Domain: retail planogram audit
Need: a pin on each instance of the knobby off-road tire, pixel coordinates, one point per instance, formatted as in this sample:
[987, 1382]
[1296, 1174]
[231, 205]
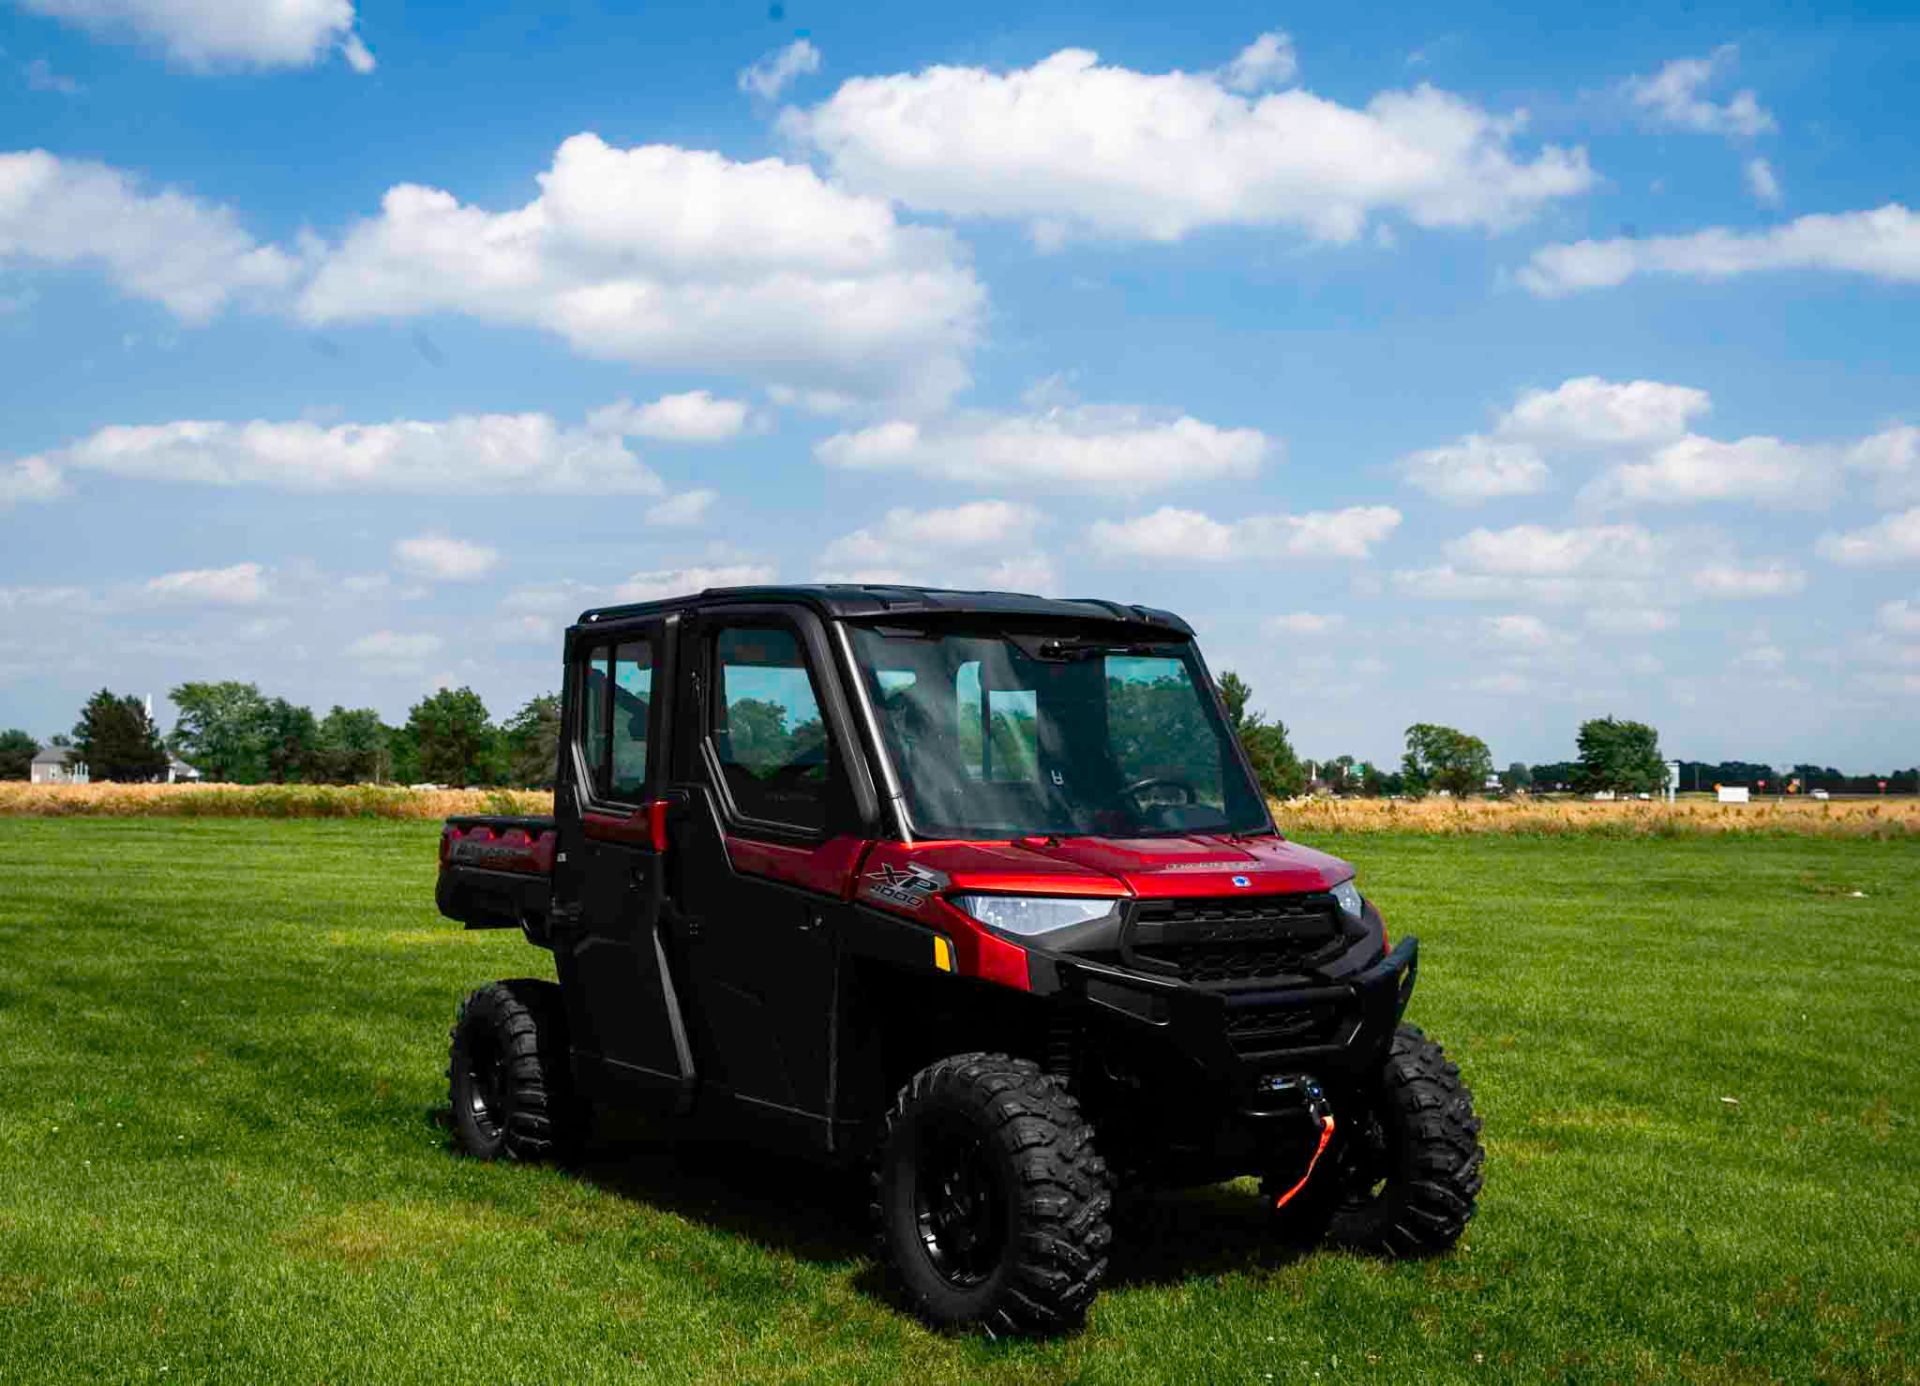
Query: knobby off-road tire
[507, 1074]
[990, 1198]
[1406, 1170]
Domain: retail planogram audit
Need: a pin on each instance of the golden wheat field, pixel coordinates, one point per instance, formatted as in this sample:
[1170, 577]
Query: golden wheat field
[261, 801]
[1890, 817]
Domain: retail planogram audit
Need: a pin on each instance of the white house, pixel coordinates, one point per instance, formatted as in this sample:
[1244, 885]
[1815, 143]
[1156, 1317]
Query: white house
[58, 765]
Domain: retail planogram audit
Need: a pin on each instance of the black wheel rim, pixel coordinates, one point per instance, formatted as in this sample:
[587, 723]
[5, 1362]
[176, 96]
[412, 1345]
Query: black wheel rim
[486, 1084]
[960, 1204]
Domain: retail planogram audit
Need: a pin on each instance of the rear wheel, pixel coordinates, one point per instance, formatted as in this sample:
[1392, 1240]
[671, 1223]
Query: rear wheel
[991, 1200]
[507, 1076]
[1404, 1173]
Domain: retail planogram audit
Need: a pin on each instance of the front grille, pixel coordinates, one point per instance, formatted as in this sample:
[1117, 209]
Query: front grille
[1294, 1027]
[1216, 940]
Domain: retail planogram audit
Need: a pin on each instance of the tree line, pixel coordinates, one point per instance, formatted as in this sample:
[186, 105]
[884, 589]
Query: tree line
[1613, 755]
[234, 734]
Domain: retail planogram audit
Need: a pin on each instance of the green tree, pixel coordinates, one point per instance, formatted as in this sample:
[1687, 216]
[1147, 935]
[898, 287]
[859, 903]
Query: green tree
[118, 741]
[1444, 758]
[757, 733]
[403, 752]
[289, 740]
[1516, 776]
[17, 750]
[1620, 756]
[1275, 766]
[222, 730]
[350, 746]
[454, 738]
[530, 741]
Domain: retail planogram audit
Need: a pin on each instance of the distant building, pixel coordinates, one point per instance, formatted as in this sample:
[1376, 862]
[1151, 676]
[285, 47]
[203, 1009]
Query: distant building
[58, 765]
[179, 772]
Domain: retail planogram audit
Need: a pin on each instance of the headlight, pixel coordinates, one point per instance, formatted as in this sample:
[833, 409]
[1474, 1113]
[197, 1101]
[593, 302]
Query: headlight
[1031, 915]
[1347, 896]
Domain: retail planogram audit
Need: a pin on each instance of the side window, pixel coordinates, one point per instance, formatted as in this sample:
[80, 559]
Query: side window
[616, 699]
[767, 729]
[632, 704]
[593, 714]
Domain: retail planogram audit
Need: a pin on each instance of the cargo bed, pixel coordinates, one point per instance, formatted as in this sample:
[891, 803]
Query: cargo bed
[497, 873]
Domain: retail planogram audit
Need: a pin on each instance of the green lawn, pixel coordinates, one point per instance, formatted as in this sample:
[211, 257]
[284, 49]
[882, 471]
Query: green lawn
[221, 1046]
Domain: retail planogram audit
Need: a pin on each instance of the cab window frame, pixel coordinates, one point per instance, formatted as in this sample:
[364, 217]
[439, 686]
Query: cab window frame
[851, 804]
[600, 647]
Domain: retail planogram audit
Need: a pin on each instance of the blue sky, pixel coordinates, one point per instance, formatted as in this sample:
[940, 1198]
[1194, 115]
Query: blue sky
[1499, 370]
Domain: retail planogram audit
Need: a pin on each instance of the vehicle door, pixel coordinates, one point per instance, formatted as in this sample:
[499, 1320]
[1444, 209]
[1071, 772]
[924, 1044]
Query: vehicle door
[777, 817]
[622, 1006]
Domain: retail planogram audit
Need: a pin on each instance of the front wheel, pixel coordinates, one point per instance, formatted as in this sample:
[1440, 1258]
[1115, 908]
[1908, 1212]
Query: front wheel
[991, 1201]
[1405, 1172]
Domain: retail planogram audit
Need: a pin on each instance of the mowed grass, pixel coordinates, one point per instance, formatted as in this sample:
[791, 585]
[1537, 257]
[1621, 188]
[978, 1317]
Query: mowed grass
[221, 1046]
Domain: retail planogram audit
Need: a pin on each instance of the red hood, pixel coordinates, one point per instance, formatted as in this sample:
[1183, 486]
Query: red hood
[1146, 866]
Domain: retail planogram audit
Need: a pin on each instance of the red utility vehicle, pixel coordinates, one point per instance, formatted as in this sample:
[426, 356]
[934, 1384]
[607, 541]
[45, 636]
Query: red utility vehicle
[977, 888]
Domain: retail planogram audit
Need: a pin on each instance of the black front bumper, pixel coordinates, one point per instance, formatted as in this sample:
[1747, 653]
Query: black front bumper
[1335, 1031]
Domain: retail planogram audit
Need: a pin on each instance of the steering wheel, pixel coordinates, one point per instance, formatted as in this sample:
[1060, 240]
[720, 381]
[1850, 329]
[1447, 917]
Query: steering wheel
[1139, 787]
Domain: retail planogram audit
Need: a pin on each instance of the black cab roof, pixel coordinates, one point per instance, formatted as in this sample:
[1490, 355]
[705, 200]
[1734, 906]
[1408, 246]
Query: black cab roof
[868, 600]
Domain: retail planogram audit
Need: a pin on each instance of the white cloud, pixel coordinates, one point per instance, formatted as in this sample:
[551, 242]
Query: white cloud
[510, 454]
[1476, 468]
[1584, 416]
[1640, 430]
[1187, 536]
[189, 256]
[41, 76]
[1622, 573]
[1629, 620]
[1892, 458]
[1268, 62]
[1115, 446]
[396, 651]
[1536, 551]
[675, 582]
[225, 33]
[1766, 471]
[1762, 182]
[1762, 656]
[1520, 631]
[1070, 145]
[243, 584]
[1902, 617]
[1767, 580]
[30, 479]
[1892, 539]
[687, 508]
[1304, 623]
[1674, 96]
[935, 546]
[693, 417]
[1883, 244]
[1587, 413]
[444, 559]
[677, 257]
[776, 71]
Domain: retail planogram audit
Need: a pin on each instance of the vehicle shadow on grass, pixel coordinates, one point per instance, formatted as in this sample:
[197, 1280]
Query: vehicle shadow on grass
[821, 1214]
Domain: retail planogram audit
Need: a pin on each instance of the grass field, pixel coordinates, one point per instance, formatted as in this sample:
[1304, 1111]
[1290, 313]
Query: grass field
[220, 1056]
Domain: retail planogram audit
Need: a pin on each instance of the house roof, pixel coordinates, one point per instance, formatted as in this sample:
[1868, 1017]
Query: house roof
[56, 755]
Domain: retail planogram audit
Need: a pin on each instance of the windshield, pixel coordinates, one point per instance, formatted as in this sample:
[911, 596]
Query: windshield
[1015, 734]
